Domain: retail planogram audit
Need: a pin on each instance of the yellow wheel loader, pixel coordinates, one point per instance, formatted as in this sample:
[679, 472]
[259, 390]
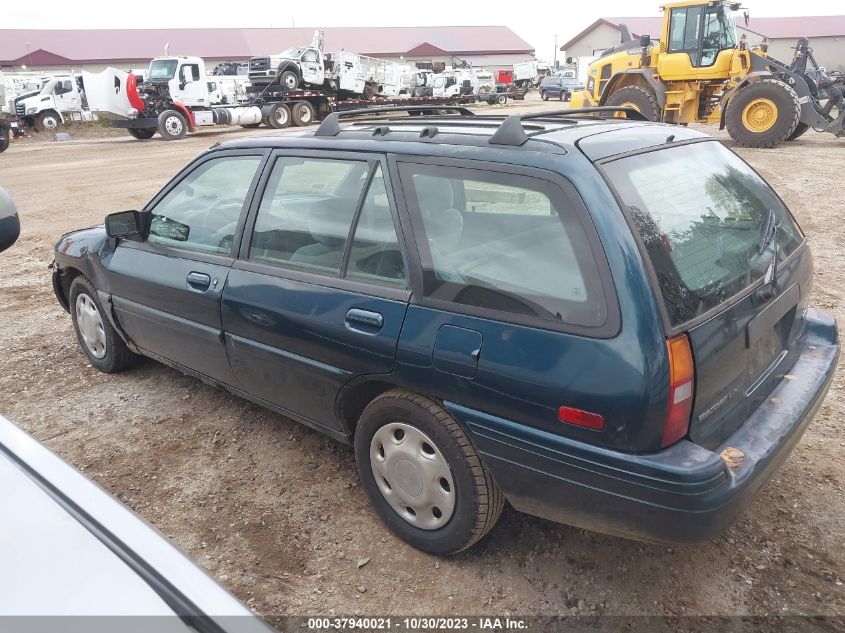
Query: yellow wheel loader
[699, 72]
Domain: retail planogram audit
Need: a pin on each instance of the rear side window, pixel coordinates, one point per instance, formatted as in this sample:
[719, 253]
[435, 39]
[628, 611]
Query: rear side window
[503, 242]
[702, 214]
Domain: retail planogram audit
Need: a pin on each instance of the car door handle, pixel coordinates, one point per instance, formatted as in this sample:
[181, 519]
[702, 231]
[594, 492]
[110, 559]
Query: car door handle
[370, 320]
[198, 281]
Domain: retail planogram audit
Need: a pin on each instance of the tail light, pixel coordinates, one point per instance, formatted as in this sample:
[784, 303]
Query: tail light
[681, 390]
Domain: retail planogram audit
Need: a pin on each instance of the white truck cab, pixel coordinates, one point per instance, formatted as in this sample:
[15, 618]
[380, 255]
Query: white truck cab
[185, 78]
[60, 100]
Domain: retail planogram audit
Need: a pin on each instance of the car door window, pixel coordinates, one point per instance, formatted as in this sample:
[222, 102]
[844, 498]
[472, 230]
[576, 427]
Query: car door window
[307, 211]
[375, 255]
[201, 212]
[503, 242]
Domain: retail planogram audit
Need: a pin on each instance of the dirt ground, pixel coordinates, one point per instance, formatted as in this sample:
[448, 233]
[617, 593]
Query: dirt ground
[274, 510]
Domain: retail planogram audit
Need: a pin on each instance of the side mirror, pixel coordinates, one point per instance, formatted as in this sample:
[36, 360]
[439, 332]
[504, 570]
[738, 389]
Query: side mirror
[645, 40]
[10, 225]
[125, 224]
[182, 85]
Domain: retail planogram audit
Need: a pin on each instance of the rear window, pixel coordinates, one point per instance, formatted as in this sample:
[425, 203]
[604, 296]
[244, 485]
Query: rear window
[702, 214]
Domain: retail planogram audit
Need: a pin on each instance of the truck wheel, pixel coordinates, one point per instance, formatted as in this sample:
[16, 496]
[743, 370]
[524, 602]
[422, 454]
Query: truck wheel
[502, 99]
[543, 95]
[640, 99]
[4, 138]
[172, 125]
[48, 121]
[289, 80]
[142, 134]
[280, 116]
[799, 131]
[422, 474]
[763, 114]
[302, 113]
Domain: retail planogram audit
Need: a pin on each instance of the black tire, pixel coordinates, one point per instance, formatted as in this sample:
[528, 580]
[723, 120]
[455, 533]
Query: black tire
[544, 96]
[289, 80]
[142, 134]
[172, 125]
[5, 136]
[478, 500]
[251, 126]
[117, 356]
[279, 117]
[643, 101]
[302, 113]
[799, 132]
[786, 118]
[562, 95]
[502, 99]
[48, 121]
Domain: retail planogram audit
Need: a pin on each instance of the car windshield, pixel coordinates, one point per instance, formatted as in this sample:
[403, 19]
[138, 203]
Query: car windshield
[292, 53]
[163, 68]
[702, 214]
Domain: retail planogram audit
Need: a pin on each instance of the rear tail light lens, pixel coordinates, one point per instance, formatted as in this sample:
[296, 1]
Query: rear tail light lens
[681, 390]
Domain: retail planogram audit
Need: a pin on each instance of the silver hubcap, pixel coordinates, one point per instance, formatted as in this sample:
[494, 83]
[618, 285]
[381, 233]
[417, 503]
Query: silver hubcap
[413, 475]
[50, 123]
[290, 81]
[173, 124]
[281, 116]
[90, 325]
[304, 114]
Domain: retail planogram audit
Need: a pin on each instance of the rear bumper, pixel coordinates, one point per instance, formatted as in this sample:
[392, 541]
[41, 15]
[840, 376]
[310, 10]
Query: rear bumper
[683, 494]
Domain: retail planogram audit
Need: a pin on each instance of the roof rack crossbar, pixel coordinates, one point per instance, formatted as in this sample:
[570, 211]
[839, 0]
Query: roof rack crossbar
[511, 131]
[631, 114]
[331, 124]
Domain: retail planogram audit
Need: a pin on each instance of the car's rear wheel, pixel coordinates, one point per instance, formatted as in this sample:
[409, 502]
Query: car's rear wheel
[544, 96]
[423, 475]
[101, 343]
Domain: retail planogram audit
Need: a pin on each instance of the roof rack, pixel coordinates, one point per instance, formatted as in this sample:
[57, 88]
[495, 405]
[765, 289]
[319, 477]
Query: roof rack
[331, 124]
[511, 132]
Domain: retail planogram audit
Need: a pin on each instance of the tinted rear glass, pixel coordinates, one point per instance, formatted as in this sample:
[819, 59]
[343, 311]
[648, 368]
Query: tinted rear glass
[702, 215]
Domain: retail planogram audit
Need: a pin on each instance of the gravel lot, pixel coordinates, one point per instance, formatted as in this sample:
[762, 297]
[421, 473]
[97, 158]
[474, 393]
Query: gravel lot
[274, 510]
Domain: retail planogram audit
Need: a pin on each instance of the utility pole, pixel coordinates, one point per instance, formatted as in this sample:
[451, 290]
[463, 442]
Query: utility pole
[554, 65]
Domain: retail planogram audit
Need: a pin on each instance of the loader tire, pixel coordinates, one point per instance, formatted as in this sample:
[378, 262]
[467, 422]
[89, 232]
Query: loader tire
[799, 132]
[763, 114]
[640, 99]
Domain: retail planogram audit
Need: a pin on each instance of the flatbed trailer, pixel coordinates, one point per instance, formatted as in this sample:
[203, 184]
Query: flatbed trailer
[303, 107]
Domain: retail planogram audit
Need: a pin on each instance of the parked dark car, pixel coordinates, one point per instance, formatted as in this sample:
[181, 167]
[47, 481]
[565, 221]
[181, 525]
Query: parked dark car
[560, 88]
[603, 321]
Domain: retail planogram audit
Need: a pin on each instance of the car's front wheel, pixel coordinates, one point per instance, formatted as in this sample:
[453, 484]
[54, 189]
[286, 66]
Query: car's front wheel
[98, 339]
[423, 475]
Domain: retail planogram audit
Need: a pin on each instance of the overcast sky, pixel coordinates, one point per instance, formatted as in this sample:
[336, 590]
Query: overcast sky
[535, 21]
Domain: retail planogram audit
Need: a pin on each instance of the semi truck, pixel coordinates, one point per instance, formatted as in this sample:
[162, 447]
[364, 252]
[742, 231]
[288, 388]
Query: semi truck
[175, 99]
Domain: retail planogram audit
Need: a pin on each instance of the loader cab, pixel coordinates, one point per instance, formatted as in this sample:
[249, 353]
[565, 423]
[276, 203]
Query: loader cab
[698, 41]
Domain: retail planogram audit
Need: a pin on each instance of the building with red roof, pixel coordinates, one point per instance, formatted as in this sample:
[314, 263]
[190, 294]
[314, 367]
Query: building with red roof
[491, 46]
